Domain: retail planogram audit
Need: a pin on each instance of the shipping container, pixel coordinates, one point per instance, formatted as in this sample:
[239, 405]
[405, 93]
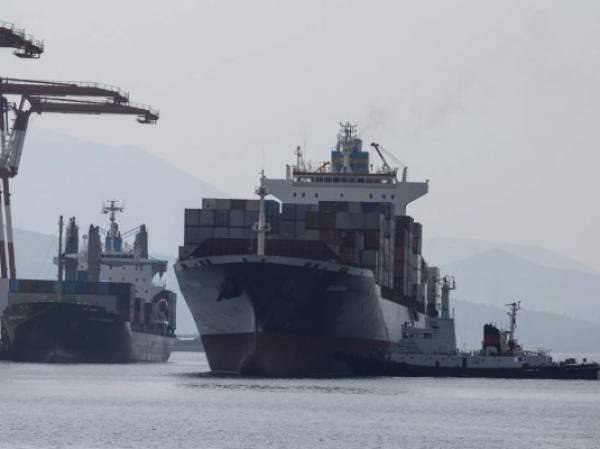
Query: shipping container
[310, 234]
[301, 210]
[221, 218]
[209, 203]
[300, 228]
[223, 203]
[357, 220]
[207, 217]
[372, 220]
[275, 224]
[271, 208]
[342, 220]
[252, 204]
[287, 229]
[194, 235]
[371, 239]
[250, 218]
[320, 220]
[368, 257]
[192, 217]
[237, 204]
[288, 212]
[221, 233]
[237, 233]
[354, 207]
[237, 217]
[327, 206]
[418, 238]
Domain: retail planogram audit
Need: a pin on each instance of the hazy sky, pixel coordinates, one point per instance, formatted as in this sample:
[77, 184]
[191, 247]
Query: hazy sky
[497, 103]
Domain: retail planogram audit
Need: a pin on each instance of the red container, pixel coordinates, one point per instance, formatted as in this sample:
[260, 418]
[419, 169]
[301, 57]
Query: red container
[238, 204]
[312, 220]
[371, 239]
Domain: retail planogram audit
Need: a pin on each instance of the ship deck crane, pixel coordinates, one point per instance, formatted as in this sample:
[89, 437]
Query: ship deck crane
[386, 166]
[24, 44]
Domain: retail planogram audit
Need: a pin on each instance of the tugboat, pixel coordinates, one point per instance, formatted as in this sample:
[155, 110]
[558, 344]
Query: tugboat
[107, 309]
[431, 351]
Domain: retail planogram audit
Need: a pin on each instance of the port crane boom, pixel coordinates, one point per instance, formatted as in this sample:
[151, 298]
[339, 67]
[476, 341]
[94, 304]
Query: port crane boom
[16, 86]
[10, 156]
[24, 44]
[40, 97]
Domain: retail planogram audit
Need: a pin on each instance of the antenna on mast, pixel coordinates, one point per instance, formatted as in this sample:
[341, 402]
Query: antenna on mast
[59, 286]
[299, 158]
[514, 307]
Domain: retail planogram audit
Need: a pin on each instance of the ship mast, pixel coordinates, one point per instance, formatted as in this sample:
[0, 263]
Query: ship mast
[59, 284]
[514, 308]
[262, 227]
[113, 237]
[448, 284]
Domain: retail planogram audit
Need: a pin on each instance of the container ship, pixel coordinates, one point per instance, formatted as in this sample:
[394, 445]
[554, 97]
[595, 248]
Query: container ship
[105, 306]
[329, 269]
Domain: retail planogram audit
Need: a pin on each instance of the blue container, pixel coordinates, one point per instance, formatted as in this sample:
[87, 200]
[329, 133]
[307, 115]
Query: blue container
[14, 286]
[289, 212]
[327, 206]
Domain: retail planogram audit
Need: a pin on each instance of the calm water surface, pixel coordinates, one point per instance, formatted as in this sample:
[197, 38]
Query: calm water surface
[175, 406]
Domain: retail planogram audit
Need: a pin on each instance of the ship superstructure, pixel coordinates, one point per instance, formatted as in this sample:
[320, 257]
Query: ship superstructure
[335, 269]
[110, 306]
[116, 260]
[347, 177]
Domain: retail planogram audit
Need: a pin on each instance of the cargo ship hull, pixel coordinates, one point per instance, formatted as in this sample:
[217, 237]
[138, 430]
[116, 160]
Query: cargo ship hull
[283, 316]
[77, 333]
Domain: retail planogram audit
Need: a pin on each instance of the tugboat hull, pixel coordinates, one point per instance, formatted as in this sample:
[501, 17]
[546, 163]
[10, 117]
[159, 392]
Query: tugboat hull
[370, 367]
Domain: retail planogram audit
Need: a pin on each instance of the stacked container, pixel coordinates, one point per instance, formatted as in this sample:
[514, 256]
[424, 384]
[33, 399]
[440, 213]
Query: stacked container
[364, 234]
[224, 219]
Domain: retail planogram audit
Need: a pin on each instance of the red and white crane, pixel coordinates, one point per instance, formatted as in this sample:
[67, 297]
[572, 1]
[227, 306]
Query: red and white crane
[43, 97]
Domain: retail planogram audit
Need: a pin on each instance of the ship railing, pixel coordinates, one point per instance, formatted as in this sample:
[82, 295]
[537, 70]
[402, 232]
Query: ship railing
[20, 32]
[119, 93]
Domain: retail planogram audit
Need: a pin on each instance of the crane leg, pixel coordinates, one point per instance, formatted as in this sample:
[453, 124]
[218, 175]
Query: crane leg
[3, 268]
[9, 230]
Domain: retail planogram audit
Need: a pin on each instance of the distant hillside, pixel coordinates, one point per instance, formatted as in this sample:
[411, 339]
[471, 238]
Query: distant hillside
[496, 276]
[534, 329]
[445, 250]
[63, 175]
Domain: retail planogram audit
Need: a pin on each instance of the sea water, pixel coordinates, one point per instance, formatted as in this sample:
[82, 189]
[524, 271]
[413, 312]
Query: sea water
[179, 405]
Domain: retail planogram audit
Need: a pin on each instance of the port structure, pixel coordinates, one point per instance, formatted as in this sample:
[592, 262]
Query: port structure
[24, 44]
[63, 98]
[41, 97]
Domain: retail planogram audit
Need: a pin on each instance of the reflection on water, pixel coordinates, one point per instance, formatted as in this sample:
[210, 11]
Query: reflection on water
[180, 405]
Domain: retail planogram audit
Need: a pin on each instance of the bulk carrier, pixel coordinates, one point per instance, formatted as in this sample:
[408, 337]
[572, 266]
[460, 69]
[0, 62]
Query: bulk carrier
[335, 271]
[107, 308]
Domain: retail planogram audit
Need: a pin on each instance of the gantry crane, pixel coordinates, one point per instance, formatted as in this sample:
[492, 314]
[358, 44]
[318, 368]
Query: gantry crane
[44, 97]
[12, 148]
[24, 44]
